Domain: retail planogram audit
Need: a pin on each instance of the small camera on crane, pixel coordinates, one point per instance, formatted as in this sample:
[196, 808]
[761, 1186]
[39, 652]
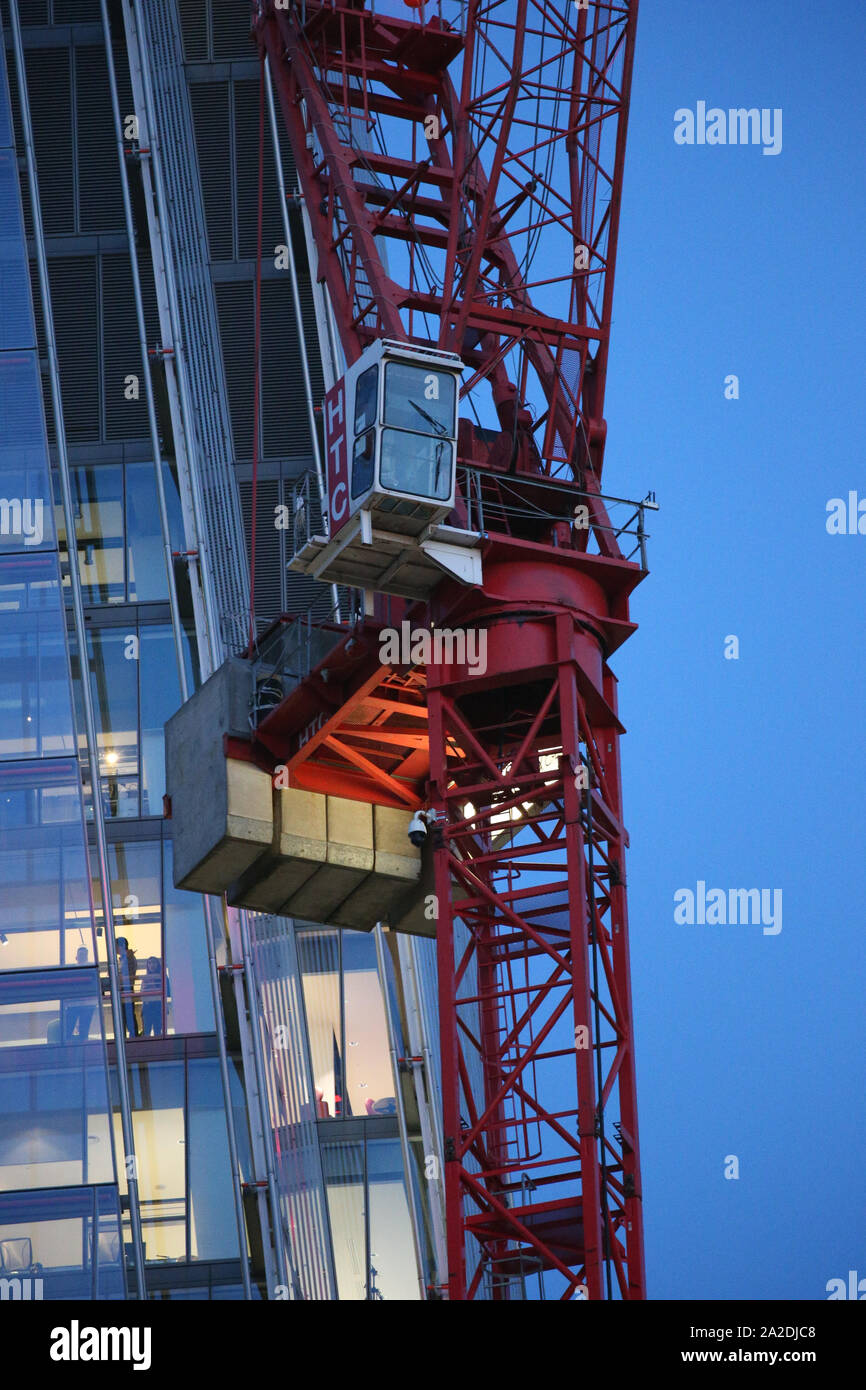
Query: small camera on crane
[418, 829]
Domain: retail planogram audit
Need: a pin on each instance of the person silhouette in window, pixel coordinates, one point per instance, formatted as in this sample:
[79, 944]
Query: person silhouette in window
[127, 969]
[152, 1007]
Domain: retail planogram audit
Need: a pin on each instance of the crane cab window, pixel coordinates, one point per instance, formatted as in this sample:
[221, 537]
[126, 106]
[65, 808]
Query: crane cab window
[416, 463]
[363, 462]
[367, 400]
[417, 451]
[419, 399]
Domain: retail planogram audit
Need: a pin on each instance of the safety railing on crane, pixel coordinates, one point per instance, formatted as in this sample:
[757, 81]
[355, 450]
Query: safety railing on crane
[513, 501]
[305, 521]
[287, 654]
[627, 525]
[450, 12]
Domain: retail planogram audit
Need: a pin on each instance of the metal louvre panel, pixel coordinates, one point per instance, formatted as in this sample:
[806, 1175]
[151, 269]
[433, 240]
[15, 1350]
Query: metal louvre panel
[303, 594]
[278, 590]
[15, 106]
[76, 11]
[194, 24]
[162, 51]
[100, 205]
[121, 75]
[124, 419]
[210, 113]
[30, 12]
[23, 176]
[245, 102]
[75, 304]
[307, 595]
[270, 560]
[285, 423]
[39, 320]
[230, 28]
[285, 426]
[50, 87]
[235, 305]
[308, 314]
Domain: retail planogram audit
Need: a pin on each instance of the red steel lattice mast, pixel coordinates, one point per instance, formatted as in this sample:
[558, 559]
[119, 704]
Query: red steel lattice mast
[463, 182]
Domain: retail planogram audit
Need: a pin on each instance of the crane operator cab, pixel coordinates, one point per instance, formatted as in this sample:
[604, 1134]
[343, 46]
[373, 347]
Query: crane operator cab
[391, 461]
[404, 431]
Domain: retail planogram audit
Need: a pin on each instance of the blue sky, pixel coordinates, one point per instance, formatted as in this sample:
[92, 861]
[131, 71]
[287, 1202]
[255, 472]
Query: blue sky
[746, 773]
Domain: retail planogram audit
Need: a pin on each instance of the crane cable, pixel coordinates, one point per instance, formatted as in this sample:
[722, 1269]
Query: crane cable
[257, 352]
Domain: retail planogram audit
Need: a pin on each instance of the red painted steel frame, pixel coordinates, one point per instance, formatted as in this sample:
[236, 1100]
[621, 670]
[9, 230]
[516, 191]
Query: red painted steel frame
[524, 147]
[535, 1002]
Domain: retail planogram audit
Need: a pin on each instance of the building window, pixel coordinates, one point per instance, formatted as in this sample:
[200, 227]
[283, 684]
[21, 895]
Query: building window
[135, 688]
[35, 708]
[163, 968]
[346, 1018]
[62, 1243]
[54, 1128]
[45, 918]
[26, 516]
[181, 1148]
[118, 536]
[373, 1247]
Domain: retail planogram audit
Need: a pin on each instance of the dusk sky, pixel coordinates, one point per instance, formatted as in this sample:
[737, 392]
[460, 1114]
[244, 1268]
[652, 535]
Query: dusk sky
[747, 772]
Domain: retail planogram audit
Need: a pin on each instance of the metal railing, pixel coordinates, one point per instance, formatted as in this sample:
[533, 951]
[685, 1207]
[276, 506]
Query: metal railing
[289, 652]
[629, 532]
[305, 515]
[452, 12]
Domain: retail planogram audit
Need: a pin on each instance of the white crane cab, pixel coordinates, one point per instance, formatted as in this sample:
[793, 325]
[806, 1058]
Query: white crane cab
[391, 461]
[401, 419]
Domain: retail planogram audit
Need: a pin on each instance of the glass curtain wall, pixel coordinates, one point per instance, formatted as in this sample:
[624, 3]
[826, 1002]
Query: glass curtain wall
[346, 1018]
[366, 1183]
[373, 1248]
[59, 1208]
[183, 1163]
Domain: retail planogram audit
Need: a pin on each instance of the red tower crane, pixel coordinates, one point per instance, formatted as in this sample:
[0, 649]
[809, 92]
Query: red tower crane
[461, 167]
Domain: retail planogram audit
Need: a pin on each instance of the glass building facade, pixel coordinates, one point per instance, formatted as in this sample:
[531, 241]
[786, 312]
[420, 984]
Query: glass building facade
[195, 1103]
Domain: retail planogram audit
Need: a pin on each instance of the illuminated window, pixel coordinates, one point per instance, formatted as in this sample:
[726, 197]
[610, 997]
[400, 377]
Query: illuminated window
[346, 1018]
[118, 536]
[181, 1150]
[373, 1246]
